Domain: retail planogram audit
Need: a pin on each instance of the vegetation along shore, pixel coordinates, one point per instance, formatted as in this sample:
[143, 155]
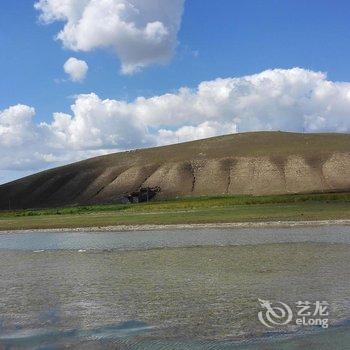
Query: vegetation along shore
[186, 211]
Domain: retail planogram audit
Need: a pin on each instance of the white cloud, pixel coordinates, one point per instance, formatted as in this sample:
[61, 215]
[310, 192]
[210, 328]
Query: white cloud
[140, 32]
[76, 69]
[97, 124]
[16, 128]
[289, 100]
[189, 132]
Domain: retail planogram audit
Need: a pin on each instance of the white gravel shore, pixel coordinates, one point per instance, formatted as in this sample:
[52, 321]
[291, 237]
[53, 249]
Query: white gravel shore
[123, 228]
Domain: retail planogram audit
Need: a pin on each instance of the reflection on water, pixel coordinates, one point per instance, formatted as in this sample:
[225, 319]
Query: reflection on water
[117, 334]
[170, 298]
[128, 336]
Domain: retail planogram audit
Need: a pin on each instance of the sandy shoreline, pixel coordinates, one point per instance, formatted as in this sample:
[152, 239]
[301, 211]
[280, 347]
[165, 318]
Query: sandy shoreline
[232, 225]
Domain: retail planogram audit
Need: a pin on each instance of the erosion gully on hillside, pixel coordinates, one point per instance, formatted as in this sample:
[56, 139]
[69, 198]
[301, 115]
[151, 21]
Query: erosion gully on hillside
[250, 163]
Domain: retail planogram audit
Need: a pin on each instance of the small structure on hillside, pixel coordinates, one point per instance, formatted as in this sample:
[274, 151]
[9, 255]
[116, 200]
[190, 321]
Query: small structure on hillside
[144, 194]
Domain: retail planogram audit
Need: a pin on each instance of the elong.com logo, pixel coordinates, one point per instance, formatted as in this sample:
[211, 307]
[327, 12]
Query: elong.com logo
[306, 314]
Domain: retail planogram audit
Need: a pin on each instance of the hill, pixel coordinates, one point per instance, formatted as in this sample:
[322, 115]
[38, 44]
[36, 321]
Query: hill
[249, 163]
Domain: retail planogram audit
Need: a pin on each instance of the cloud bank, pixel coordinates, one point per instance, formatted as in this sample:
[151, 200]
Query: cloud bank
[76, 69]
[140, 32]
[290, 100]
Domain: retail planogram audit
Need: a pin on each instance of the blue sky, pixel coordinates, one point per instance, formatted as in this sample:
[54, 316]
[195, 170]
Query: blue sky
[232, 38]
[217, 39]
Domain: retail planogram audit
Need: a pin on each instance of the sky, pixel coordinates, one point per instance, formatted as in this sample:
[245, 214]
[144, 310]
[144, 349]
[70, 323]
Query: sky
[80, 78]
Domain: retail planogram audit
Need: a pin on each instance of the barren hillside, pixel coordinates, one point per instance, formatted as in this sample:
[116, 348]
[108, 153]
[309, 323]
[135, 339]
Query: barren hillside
[249, 163]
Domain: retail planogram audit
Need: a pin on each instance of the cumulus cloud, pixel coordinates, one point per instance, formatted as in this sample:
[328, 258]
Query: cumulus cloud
[140, 32]
[189, 132]
[76, 69]
[97, 124]
[16, 126]
[290, 100]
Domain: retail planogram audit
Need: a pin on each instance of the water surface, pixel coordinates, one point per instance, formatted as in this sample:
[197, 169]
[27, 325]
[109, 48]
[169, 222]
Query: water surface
[30, 241]
[176, 289]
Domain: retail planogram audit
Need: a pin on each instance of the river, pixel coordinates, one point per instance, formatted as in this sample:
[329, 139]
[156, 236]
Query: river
[172, 289]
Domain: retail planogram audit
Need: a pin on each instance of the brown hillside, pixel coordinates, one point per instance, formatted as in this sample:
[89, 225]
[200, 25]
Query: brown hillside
[249, 163]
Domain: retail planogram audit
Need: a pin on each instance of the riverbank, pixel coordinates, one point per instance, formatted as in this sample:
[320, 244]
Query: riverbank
[228, 225]
[226, 211]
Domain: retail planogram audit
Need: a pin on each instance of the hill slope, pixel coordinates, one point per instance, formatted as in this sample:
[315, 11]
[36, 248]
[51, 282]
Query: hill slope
[249, 163]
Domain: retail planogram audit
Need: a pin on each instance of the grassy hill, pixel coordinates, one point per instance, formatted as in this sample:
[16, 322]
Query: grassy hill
[261, 163]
